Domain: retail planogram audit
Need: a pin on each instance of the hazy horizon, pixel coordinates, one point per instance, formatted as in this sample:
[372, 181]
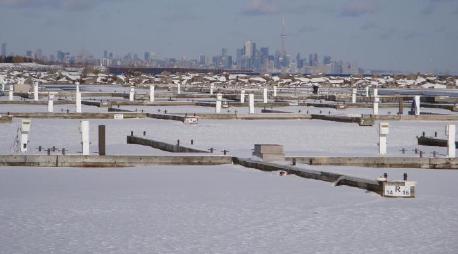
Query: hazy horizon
[410, 35]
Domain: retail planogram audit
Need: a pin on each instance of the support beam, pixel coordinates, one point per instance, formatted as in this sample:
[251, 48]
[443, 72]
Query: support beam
[84, 129]
[251, 103]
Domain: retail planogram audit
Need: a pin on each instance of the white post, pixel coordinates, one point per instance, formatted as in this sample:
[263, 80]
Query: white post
[417, 105]
[151, 93]
[242, 96]
[77, 87]
[35, 91]
[275, 91]
[219, 98]
[353, 95]
[178, 88]
[11, 93]
[383, 133]
[84, 129]
[451, 141]
[78, 102]
[265, 95]
[375, 109]
[25, 129]
[212, 86]
[367, 91]
[375, 92]
[50, 102]
[251, 103]
[3, 85]
[132, 93]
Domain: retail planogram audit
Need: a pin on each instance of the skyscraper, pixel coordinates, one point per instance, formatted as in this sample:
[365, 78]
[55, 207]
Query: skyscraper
[250, 49]
[3, 49]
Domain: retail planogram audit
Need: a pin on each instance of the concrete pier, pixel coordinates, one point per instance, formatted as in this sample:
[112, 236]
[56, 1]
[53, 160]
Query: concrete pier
[109, 161]
[177, 148]
[337, 179]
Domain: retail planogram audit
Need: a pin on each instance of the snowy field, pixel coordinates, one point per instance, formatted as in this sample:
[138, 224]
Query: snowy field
[218, 209]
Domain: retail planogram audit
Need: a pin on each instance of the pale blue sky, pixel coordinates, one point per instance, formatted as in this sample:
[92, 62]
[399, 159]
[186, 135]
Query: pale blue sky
[411, 35]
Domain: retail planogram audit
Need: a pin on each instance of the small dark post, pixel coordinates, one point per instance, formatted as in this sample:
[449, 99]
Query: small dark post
[320, 112]
[178, 142]
[434, 154]
[102, 143]
[401, 106]
[192, 141]
[421, 154]
[68, 111]
[403, 150]
[416, 150]
[144, 133]
[49, 151]
[165, 111]
[211, 150]
[39, 148]
[294, 162]
[385, 175]
[225, 151]
[423, 134]
[131, 133]
[405, 176]
[435, 134]
[53, 148]
[63, 151]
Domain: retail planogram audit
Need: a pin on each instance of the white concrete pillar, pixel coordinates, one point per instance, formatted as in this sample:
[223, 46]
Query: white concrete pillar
[219, 99]
[353, 95]
[417, 105]
[375, 108]
[251, 103]
[384, 128]
[50, 102]
[151, 93]
[212, 87]
[11, 93]
[3, 85]
[78, 102]
[451, 141]
[77, 87]
[25, 129]
[35, 91]
[178, 88]
[275, 91]
[84, 129]
[265, 95]
[375, 91]
[132, 94]
[242, 96]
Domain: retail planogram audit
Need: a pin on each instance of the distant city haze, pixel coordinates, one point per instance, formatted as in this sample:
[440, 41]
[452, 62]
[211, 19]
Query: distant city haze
[407, 35]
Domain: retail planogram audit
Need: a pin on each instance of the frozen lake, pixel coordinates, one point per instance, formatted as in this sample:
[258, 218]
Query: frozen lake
[218, 209]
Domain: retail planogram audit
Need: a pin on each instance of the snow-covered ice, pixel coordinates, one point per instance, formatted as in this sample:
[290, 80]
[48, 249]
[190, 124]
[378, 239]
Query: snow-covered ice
[217, 209]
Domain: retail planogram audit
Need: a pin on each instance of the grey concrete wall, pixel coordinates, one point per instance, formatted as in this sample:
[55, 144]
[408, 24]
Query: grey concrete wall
[381, 162]
[108, 161]
[48, 115]
[338, 179]
[162, 145]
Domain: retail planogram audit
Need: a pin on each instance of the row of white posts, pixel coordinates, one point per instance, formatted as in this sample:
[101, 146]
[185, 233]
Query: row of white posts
[450, 131]
[219, 98]
[25, 130]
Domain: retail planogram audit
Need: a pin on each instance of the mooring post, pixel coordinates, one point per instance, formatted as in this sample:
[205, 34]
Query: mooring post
[405, 176]
[251, 103]
[451, 141]
[35, 91]
[265, 95]
[132, 93]
[11, 93]
[219, 98]
[242, 96]
[353, 95]
[401, 106]
[102, 140]
[383, 133]
[50, 102]
[151, 93]
[85, 137]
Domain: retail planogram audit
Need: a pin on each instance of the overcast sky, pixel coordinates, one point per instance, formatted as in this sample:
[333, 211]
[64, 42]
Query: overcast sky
[410, 35]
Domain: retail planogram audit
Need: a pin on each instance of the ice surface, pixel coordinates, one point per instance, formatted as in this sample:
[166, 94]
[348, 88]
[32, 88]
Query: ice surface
[223, 209]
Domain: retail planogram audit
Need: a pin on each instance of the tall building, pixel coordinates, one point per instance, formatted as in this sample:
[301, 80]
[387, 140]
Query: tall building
[224, 52]
[3, 53]
[327, 60]
[250, 49]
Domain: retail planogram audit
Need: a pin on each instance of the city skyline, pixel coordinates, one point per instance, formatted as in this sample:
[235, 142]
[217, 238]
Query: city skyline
[418, 36]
